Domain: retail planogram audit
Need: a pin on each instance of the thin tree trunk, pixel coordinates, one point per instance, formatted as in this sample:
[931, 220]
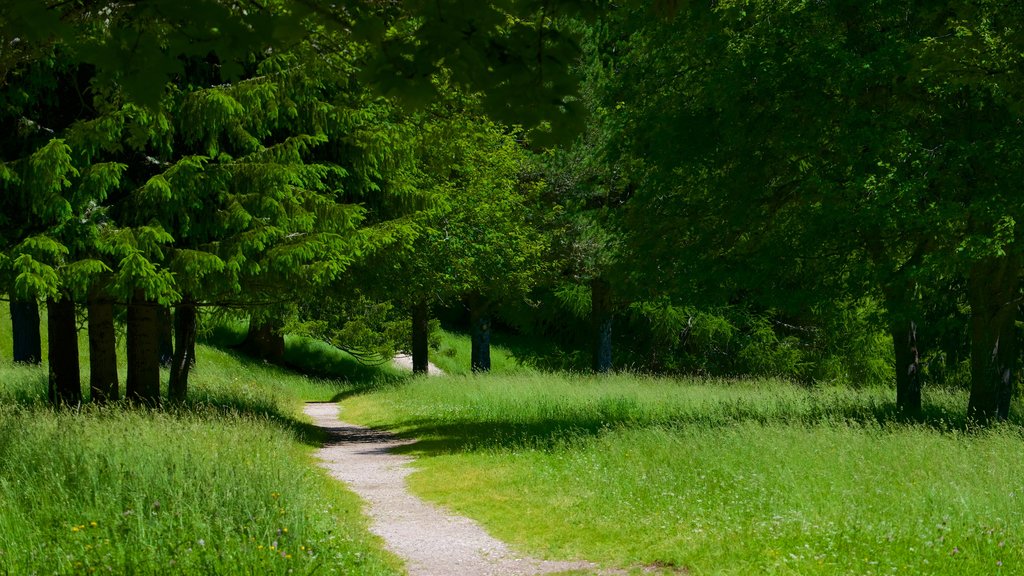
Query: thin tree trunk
[601, 320]
[28, 348]
[480, 321]
[908, 366]
[103, 384]
[265, 341]
[166, 337]
[192, 341]
[65, 382]
[143, 384]
[992, 289]
[903, 313]
[420, 337]
[185, 330]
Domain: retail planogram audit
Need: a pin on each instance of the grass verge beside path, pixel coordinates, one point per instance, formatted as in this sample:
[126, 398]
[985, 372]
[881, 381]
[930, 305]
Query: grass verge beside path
[726, 478]
[224, 485]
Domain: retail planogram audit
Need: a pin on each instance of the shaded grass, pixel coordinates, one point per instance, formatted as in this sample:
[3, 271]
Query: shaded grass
[306, 356]
[715, 477]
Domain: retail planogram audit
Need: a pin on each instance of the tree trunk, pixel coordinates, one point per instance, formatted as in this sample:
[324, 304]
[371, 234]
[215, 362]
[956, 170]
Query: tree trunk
[265, 341]
[28, 348]
[166, 337]
[601, 320]
[992, 287]
[420, 337]
[908, 366]
[192, 341]
[480, 321]
[185, 330]
[103, 384]
[143, 384]
[65, 382]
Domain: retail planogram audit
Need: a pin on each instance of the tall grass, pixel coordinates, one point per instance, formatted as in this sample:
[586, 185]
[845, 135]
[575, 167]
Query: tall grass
[715, 477]
[455, 352]
[223, 485]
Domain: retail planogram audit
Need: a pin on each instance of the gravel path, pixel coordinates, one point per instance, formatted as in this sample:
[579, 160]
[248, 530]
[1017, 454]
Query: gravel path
[432, 541]
[404, 362]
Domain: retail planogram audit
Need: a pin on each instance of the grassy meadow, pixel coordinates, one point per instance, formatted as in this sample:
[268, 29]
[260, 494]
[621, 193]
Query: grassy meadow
[650, 475]
[223, 485]
[714, 477]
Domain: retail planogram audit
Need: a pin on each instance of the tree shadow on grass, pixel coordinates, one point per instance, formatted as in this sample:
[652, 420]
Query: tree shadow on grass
[303, 358]
[340, 374]
[436, 438]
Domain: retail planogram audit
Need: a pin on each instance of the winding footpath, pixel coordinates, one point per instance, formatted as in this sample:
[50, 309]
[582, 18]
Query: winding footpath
[432, 541]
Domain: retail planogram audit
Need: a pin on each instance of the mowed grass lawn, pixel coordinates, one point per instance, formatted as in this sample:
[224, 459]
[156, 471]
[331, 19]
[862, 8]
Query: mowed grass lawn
[224, 485]
[714, 477]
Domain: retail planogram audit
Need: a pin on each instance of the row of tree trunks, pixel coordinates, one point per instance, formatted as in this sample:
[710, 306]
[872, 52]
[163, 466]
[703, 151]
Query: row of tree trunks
[28, 348]
[993, 289]
[480, 330]
[65, 384]
[146, 322]
[103, 382]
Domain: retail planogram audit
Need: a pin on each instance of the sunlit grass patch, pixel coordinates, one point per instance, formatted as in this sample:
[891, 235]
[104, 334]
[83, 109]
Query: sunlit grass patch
[222, 485]
[715, 477]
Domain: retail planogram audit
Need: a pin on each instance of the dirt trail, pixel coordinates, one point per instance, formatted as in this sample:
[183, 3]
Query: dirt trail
[432, 541]
[404, 362]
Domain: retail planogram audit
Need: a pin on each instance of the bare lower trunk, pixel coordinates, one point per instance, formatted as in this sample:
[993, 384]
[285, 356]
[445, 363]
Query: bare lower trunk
[166, 336]
[908, 367]
[992, 289]
[185, 330]
[143, 383]
[601, 320]
[480, 328]
[28, 348]
[420, 337]
[103, 384]
[65, 382]
[265, 341]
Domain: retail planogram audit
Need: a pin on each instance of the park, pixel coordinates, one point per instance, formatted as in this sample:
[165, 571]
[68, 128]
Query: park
[573, 287]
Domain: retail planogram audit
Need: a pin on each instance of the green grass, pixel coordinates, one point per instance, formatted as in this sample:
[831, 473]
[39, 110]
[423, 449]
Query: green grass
[454, 354]
[714, 477]
[223, 485]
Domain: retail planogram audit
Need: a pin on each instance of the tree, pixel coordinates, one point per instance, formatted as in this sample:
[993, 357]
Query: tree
[482, 238]
[25, 331]
[493, 48]
[858, 161]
